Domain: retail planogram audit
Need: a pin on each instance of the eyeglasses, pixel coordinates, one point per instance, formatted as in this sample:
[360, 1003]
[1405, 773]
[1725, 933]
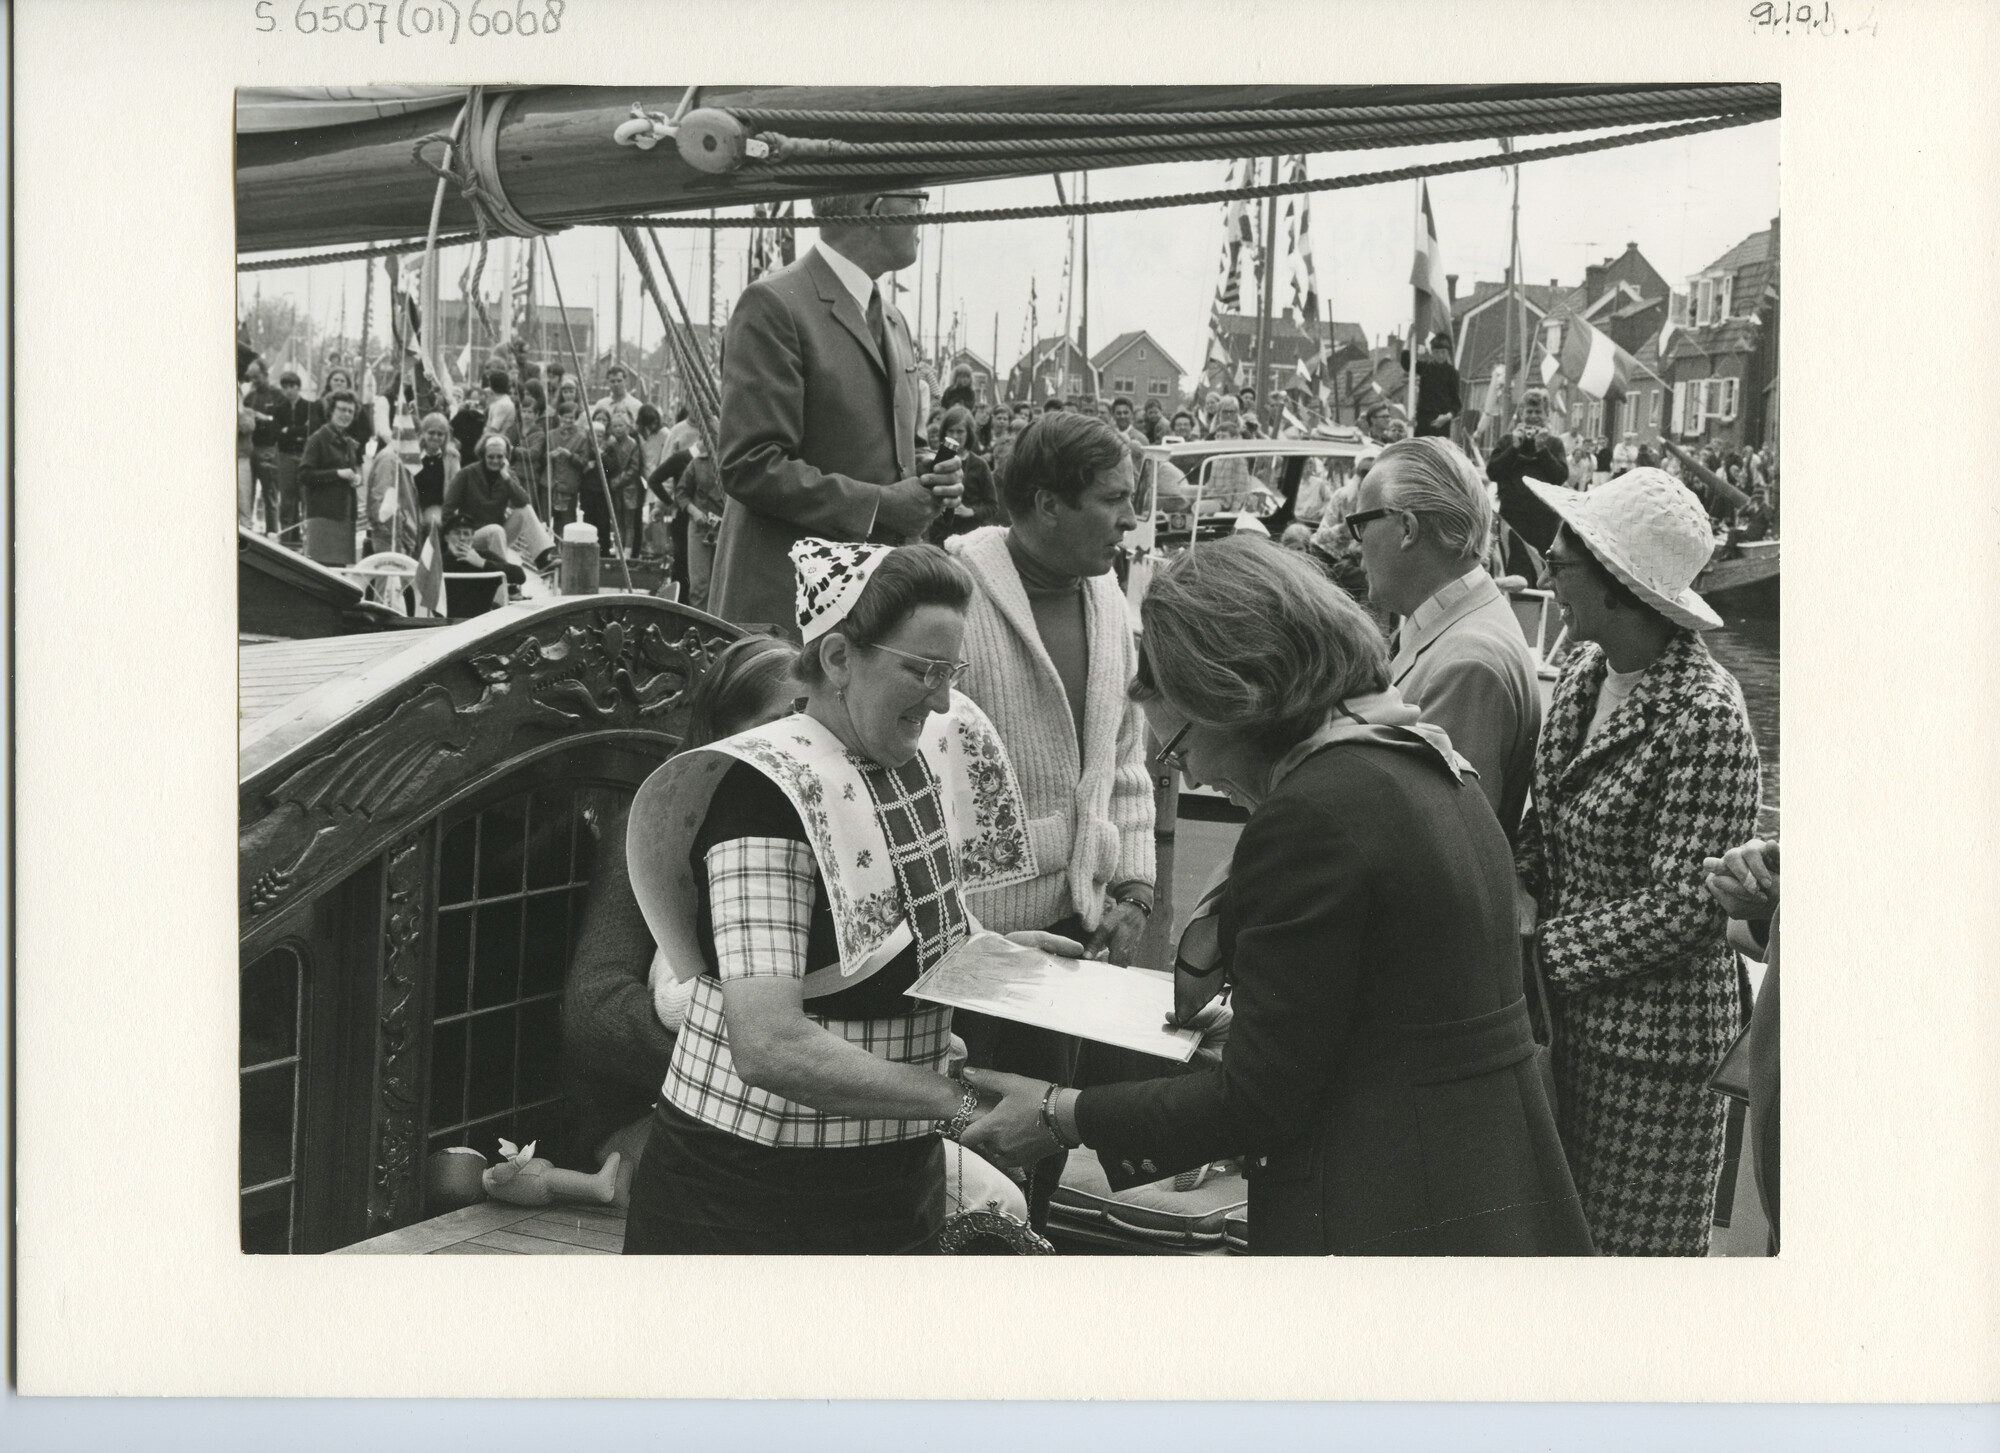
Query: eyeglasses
[1359, 518]
[936, 672]
[1170, 755]
[1554, 565]
[920, 199]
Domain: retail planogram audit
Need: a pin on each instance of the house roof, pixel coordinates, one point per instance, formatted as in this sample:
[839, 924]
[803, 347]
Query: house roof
[966, 355]
[1731, 335]
[1752, 249]
[1101, 360]
[1243, 327]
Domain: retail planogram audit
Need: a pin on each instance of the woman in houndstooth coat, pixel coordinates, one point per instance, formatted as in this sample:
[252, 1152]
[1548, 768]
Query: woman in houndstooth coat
[1639, 775]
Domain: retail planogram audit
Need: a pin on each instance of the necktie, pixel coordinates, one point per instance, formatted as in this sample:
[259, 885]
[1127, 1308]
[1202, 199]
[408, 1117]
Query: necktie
[875, 326]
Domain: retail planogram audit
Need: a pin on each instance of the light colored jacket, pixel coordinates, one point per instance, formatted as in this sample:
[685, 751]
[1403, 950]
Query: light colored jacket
[1090, 811]
[1471, 673]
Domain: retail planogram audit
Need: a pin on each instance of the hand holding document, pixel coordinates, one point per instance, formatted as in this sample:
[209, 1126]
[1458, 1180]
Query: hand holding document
[1109, 1003]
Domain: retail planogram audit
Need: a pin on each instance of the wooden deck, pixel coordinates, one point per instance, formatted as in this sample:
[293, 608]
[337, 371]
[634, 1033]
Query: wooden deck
[495, 1228]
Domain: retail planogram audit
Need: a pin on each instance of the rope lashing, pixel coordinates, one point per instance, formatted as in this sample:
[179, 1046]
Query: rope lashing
[475, 169]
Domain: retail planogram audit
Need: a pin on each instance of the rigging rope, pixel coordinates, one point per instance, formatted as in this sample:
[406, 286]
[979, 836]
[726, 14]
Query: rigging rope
[793, 153]
[1691, 97]
[596, 453]
[1225, 194]
[1135, 204]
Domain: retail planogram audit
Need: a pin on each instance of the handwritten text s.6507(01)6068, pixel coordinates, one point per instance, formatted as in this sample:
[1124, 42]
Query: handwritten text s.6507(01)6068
[442, 20]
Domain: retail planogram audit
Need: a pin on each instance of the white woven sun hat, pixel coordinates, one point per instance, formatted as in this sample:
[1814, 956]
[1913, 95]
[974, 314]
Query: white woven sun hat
[1650, 532]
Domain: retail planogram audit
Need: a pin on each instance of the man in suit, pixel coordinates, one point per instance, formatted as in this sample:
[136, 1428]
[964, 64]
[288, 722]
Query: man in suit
[1422, 520]
[819, 411]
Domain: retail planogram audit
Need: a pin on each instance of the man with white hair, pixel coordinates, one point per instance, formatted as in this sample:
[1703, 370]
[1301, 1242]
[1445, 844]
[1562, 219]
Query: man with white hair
[1422, 520]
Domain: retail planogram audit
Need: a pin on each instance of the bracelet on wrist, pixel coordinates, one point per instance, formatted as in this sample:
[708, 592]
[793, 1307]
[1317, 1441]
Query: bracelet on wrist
[1049, 1122]
[967, 1108]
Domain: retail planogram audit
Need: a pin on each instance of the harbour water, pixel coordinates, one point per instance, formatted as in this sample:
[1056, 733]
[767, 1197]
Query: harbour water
[1747, 646]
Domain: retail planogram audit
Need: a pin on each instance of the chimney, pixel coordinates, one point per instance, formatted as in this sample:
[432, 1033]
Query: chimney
[1593, 281]
[1451, 289]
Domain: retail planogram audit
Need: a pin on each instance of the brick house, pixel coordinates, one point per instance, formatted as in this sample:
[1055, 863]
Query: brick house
[1133, 366]
[1040, 372]
[1623, 297]
[1721, 357]
[1290, 344]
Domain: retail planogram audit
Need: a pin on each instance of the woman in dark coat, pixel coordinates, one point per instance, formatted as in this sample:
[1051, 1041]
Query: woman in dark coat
[1646, 767]
[1380, 1074]
[329, 471]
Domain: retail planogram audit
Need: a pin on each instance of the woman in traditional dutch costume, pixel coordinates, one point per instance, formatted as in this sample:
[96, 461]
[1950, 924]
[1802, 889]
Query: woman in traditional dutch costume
[1646, 767]
[803, 874]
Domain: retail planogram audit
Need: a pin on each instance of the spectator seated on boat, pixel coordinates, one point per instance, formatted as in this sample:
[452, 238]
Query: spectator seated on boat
[806, 1094]
[1645, 767]
[622, 1003]
[1422, 520]
[1381, 1057]
[492, 494]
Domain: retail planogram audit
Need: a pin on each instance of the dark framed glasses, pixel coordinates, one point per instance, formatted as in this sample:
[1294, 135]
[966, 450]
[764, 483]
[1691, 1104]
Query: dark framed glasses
[936, 672]
[1359, 518]
[918, 200]
[1170, 756]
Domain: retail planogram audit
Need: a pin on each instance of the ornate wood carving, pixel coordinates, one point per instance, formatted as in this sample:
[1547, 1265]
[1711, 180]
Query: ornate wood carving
[395, 1187]
[611, 667]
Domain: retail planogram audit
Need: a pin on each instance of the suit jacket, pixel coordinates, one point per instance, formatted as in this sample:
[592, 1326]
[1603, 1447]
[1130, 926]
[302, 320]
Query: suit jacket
[1381, 1056]
[1632, 946]
[1471, 673]
[814, 423]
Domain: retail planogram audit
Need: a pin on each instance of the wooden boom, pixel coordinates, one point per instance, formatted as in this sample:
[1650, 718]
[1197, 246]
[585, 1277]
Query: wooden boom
[558, 164]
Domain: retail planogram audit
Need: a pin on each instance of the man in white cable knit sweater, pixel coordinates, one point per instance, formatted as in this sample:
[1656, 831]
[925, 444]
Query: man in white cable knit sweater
[1051, 655]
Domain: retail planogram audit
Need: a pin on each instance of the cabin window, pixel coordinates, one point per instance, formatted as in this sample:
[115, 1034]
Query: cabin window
[270, 1038]
[511, 885]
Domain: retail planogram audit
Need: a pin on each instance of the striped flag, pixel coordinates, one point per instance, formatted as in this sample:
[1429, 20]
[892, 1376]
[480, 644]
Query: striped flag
[430, 573]
[1597, 367]
[1298, 235]
[1433, 307]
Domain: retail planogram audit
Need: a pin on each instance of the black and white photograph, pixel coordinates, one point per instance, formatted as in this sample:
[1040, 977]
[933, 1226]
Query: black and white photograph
[1136, 651]
[1301, 563]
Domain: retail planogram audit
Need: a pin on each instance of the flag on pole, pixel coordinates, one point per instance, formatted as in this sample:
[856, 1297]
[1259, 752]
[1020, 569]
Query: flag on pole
[1302, 376]
[1433, 309]
[1599, 368]
[430, 574]
[1298, 235]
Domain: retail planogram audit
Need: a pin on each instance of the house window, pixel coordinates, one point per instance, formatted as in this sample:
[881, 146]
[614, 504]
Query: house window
[1719, 398]
[1653, 410]
[1122, 385]
[269, 1076]
[1142, 353]
[1157, 388]
[511, 886]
